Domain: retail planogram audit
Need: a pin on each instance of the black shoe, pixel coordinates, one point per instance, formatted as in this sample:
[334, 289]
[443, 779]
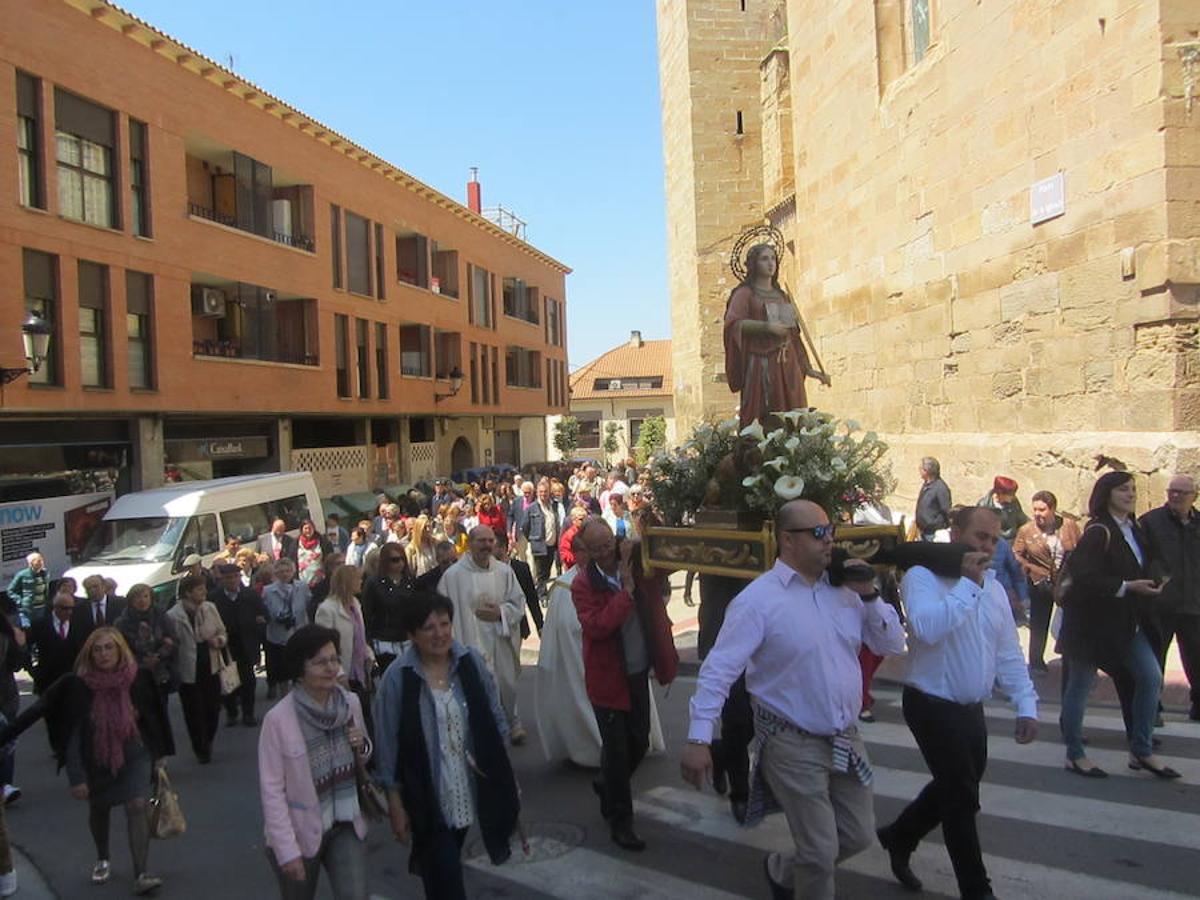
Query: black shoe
[720, 780]
[778, 891]
[204, 758]
[249, 720]
[899, 861]
[626, 838]
[1040, 668]
[1093, 772]
[1138, 764]
[231, 719]
[738, 808]
[1194, 712]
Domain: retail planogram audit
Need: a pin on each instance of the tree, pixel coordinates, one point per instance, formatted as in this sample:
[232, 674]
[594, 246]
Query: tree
[566, 436]
[612, 442]
[651, 437]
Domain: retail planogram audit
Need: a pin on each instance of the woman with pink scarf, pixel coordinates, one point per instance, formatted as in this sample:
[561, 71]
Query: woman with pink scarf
[116, 730]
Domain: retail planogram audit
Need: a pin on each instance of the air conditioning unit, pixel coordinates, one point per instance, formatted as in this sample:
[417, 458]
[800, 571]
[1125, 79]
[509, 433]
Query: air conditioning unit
[614, 384]
[208, 301]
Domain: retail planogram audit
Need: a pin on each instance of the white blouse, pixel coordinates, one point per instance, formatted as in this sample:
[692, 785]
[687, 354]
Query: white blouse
[458, 806]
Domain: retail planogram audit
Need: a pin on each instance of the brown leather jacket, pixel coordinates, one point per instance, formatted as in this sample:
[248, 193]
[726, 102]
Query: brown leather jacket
[1033, 552]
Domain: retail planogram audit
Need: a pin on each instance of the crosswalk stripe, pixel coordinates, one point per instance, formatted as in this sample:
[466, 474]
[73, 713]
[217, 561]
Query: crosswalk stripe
[583, 874]
[1044, 754]
[708, 815]
[1095, 721]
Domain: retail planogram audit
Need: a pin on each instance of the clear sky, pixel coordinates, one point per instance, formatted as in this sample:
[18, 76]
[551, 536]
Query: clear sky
[555, 101]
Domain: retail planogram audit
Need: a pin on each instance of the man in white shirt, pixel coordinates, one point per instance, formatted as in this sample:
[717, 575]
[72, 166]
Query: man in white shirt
[797, 638]
[962, 640]
[488, 608]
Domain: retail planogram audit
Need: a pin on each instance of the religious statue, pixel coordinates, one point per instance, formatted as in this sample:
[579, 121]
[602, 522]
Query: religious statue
[765, 356]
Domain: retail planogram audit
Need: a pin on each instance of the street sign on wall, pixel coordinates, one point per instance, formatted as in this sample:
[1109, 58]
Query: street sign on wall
[1047, 199]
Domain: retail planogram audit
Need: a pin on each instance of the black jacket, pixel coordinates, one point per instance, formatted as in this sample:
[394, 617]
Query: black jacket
[82, 619]
[383, 605]
[933, 506]
[241, 616]
[529, 589]
[55, 656]
[1097, 625]
[1176, 547]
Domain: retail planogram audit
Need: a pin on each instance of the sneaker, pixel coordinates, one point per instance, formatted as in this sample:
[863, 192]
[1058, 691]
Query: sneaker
[12, 794]
[146, 883]
[101, 872]
[866, 716]
[8, 884]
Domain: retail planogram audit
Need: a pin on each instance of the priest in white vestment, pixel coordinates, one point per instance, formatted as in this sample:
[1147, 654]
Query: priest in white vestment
[488, 608]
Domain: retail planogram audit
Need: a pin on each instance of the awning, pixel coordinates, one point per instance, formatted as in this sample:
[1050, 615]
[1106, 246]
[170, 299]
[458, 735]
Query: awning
[359, 504]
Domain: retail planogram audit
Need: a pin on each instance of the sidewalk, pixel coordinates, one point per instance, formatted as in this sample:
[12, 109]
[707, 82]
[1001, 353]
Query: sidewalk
[31, 885]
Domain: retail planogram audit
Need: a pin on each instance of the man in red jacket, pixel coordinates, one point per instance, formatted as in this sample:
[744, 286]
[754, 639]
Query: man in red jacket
[626, 632]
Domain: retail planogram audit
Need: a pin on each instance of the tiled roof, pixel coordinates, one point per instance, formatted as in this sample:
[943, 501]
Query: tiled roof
[626, 361]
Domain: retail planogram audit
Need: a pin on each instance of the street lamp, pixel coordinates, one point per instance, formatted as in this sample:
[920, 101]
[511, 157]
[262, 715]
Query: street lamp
[35, 335]
[456, 380]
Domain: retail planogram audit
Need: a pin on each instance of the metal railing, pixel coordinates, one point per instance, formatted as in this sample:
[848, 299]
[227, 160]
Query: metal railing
[299, 241]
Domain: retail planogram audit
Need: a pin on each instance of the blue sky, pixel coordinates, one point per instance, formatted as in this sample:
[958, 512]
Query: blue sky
[555, 102]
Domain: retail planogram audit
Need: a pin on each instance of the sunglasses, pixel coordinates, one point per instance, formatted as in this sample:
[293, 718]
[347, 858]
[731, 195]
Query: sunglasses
[820, 532]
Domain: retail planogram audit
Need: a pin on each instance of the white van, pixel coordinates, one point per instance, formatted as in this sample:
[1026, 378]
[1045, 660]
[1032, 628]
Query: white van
[145, 536]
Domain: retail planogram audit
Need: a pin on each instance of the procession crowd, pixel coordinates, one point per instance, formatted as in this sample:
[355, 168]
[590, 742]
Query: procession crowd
[391, 649]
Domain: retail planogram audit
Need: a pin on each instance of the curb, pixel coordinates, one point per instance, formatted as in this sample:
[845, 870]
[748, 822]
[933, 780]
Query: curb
[31, 883]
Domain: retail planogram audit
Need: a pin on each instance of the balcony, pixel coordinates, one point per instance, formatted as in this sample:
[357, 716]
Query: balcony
[237, 191]
[233, 320]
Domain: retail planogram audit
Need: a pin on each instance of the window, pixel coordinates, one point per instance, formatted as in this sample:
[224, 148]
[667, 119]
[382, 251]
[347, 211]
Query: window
[381, 360]
[523, 368]
[85, 137]
[200, 536]
[41, 297]
[358, 254]
[379, 291]
[335, 243]
[637, 418]
[485, 353]
[415, 355]
[479, 296]
[496, 376]
[919, 10]
[445, 270]
[412, 259]
[420, 430]
[29, 141]
[447, 353]
[553, 320]
[93, 324]
[138, 178]
[253, 191]
[139, 310]
[474, 372]
[520, 300]
[249, 523]
[589, 430]
[341, 337]
[361, 357]
[636, 383]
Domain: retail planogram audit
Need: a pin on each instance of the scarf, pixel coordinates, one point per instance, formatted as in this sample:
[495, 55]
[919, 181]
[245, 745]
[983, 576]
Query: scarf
[358, 654]
[308, 543]
[330, 756]
[113, 720]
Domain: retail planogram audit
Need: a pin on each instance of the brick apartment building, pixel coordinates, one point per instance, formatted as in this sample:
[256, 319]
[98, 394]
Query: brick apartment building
[235, 288]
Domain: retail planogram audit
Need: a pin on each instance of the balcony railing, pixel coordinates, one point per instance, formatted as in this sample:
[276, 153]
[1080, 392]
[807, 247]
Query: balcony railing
[299, 241]
[233, 350]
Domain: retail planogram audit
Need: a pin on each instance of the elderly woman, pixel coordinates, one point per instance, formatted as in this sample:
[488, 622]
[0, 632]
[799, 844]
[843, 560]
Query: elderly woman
[1104, 612]
[286, 600]
[201, 633]
[306, 775]
[116, 728]
[150, 634]
[441, 751]
[419, 552]
[1041, 546]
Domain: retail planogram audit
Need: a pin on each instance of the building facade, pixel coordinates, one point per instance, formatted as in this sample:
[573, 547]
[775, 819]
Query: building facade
[616, 393]
[991, 213]
[233, 287]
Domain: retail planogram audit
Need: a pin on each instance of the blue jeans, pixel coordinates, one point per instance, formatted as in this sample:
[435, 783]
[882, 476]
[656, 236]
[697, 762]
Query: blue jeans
[1081, 675]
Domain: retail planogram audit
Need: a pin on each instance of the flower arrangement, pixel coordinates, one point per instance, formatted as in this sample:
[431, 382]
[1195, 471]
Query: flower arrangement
[810, 455]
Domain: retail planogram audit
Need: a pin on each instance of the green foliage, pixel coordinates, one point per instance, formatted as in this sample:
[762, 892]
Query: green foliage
[679, 477]
[612, 441]
[652, 437]
[566, 436]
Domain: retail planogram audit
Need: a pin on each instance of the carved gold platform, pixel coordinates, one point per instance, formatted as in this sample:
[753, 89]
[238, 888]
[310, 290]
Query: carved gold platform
[747, 554]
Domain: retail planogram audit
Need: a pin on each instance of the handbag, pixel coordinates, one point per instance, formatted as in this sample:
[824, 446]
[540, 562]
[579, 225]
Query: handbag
[372, 801]
[166, 816]
[228, 673]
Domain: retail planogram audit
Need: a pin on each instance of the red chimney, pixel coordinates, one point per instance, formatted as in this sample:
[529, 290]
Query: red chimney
[475, 193]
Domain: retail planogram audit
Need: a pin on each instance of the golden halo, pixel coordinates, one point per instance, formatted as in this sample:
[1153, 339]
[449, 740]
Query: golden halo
[756, 234]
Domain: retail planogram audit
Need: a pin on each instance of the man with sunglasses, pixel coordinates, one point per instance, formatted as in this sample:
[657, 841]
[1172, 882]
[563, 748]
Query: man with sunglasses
[797, 637]
[962, 641]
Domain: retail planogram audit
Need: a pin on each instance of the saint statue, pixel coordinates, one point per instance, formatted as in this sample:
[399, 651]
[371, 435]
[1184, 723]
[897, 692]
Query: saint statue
[765, 357]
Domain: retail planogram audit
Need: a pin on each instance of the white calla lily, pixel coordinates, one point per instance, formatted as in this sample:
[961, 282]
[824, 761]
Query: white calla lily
[753, 430]
[837, 464]
[777, 463]
[789, 487]
[792, 417]
[791, 444]
[751, 480]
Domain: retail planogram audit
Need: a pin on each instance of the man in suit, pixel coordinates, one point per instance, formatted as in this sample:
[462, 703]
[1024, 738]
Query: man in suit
[57, 643]
[244, 615]
[278, 544]
[97, 610]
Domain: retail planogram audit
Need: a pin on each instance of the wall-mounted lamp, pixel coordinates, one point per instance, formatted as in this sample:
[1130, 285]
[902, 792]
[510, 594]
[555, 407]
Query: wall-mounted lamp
[35, 335]
[456, 380]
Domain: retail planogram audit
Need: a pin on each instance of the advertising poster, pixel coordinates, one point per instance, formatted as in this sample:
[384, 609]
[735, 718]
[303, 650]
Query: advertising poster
[58, 527]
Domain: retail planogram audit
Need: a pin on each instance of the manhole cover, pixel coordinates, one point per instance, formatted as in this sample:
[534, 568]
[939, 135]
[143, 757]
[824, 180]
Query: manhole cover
[547, 840]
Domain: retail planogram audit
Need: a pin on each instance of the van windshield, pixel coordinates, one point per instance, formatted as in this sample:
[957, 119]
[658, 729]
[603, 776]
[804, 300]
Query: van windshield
[152, 539]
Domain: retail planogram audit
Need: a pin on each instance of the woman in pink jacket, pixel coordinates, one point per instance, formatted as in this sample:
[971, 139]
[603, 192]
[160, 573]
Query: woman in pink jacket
[306, 775]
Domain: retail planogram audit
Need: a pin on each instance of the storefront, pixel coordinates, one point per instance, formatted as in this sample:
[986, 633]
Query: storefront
[198, 449]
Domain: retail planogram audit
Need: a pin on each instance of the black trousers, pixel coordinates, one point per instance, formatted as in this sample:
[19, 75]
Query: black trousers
[625, 737]
[1186, 630]
[544, 564]
[201, 711]
[440, 864]
[1041, 608]
[953, 740]
[731, 751]
[243, 697]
